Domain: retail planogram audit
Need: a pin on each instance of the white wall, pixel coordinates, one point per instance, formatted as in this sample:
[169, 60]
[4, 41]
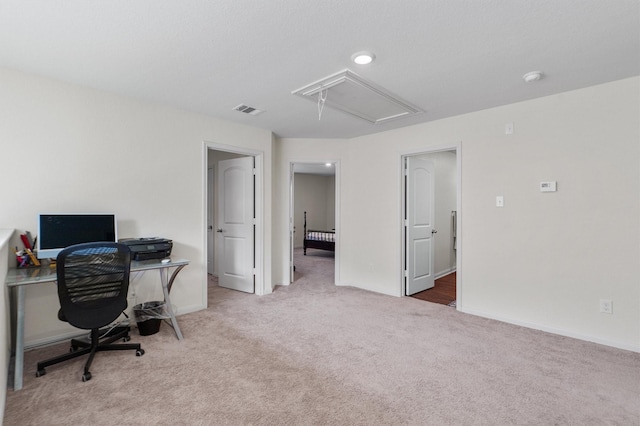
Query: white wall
[68, 148]
[544, 260]
[330, 205]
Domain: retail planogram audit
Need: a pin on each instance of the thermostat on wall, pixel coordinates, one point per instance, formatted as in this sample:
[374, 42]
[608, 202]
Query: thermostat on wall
[548, 186]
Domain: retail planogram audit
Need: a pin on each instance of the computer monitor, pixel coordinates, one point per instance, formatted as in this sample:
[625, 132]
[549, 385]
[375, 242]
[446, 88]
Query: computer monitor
[57, 231]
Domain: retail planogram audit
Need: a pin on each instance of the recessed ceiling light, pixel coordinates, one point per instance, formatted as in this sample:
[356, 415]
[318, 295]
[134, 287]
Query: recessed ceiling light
[532, 76]
[363, 58]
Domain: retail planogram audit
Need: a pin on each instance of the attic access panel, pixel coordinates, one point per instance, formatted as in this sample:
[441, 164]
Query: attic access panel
[350, 93]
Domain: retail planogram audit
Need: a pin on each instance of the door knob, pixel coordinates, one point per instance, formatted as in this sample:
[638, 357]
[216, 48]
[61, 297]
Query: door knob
[219, 230]
[434, 231]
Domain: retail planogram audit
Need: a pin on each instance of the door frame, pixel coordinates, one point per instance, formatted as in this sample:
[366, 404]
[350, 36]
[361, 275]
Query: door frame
[336, 164]
[259, 208]
[457, 147]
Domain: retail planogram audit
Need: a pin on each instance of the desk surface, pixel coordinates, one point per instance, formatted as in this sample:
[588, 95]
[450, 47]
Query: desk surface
[46, 273]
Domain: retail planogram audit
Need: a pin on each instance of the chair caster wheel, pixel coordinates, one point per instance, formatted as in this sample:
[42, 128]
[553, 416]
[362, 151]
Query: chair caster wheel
[126, 338]
[86, 377]
[72, 349]
[40, 373]
[139, 352]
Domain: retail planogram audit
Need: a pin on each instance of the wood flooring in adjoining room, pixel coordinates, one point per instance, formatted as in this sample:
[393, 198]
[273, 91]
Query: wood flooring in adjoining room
[444, 291]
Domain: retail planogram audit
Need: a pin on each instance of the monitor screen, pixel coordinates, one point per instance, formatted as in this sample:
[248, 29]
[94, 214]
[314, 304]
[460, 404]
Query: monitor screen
[57, 231]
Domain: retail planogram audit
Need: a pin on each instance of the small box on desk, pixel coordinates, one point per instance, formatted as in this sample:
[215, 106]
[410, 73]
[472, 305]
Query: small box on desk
[148, 248]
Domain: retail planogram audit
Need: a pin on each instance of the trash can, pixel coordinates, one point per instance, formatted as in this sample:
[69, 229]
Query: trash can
[149, 316]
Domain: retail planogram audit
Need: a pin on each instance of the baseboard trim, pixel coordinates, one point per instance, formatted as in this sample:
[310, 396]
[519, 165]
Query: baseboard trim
[52, 340]
[189, 309]
[553, 330]
[58, 338]
[444, 273]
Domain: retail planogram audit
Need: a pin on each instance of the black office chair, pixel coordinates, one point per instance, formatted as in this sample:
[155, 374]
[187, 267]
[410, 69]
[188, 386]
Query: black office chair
[93, 280]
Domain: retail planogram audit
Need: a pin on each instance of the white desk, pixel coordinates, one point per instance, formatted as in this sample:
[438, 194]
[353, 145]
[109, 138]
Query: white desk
[18, 279]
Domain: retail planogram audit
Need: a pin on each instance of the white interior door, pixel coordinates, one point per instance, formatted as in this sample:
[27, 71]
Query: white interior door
[236, 227]
[210, 221]
[419, 214]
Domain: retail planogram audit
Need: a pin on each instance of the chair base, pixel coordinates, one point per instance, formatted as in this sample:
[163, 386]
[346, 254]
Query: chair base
[81, 347]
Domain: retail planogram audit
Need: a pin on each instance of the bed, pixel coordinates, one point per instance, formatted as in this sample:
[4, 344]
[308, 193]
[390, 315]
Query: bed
[322, 240]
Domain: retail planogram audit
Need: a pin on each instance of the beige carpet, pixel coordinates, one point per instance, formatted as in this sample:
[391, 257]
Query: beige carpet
[313, 353]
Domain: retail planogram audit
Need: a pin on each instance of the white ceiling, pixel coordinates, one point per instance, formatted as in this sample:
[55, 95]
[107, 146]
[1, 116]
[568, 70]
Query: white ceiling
[446, 57]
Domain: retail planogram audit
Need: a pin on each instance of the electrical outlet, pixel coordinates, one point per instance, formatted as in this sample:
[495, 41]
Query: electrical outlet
[606, 306]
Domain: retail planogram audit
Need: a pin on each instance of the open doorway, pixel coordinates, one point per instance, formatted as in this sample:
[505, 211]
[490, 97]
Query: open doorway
[313, 218]
[430, 209]
[234, 216]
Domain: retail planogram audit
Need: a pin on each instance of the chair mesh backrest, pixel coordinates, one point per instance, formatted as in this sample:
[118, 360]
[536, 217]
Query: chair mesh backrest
[93, 280]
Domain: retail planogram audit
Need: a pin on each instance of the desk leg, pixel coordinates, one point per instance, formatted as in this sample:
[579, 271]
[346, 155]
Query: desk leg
[19, 344]
[165, 289]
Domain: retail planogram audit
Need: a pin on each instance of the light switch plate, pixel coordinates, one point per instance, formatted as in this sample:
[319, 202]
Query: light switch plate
[499, 201]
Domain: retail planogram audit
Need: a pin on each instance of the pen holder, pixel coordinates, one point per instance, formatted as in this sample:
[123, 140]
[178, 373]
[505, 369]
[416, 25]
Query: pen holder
[26, 259]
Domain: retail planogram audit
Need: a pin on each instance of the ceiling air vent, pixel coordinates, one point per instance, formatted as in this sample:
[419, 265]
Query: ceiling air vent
[247, 109]
[350, 93]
